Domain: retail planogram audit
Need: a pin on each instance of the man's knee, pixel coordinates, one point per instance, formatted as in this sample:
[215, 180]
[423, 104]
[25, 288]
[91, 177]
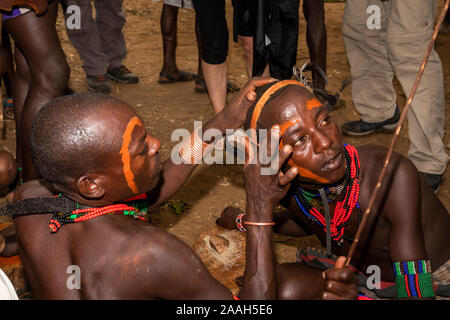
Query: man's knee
[247, 45]
[216, 53]
[52, 79]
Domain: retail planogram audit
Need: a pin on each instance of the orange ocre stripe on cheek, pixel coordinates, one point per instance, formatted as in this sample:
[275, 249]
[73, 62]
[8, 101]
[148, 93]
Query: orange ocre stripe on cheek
[125, 153]
[305, 173]
[301, 171]
[313, 103]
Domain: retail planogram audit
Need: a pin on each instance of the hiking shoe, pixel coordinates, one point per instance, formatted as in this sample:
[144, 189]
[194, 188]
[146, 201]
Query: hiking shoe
[98, 84]
[122, 75]
[362, 128]
[433, 180]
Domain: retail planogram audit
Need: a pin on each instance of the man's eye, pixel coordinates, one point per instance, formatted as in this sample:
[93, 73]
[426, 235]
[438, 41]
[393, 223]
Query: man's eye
[325, 121]
[299, 141]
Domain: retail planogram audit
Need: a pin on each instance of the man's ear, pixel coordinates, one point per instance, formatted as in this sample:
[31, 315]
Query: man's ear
[90, 186]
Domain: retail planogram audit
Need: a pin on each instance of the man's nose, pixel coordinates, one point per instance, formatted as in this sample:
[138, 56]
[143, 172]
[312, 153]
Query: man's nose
[321, 141]
[154, 145]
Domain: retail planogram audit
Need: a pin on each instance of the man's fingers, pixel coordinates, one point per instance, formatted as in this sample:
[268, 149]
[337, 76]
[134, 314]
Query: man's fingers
[343, 275]
[285, 179]
[258, 82]
[249, 151]
[340, 262]
[273, 140]
[332, 296]
[285, 153]
[342, 290]
[251, 96]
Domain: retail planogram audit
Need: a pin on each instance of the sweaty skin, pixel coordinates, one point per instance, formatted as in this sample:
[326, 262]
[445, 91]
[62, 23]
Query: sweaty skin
[125, 153]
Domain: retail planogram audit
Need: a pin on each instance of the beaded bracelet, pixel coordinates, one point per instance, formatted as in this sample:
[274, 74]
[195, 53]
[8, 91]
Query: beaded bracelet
[194, 148]
[413, 279]
[239, 224]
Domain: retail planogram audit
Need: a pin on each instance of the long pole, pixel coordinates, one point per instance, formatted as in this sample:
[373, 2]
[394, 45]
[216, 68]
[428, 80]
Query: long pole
[396, 134]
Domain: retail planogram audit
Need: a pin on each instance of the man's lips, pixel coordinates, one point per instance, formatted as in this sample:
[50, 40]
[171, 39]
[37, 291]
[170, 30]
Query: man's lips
[333, 163]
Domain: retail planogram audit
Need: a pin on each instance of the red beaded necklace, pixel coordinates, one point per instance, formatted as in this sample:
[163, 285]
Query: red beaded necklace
[79, 215]
[344, 208]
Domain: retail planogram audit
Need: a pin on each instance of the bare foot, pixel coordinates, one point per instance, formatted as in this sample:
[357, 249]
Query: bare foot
[228, 217]
[9, 242]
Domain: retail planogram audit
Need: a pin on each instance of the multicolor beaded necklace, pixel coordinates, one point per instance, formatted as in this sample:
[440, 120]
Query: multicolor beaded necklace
[348, 192]
[61, 218]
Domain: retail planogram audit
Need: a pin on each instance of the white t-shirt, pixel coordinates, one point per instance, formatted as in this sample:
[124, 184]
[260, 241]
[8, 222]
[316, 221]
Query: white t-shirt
[7, 291]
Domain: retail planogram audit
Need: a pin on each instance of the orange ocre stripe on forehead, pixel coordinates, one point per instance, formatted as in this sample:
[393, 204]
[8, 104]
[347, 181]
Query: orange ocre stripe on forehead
[262, 101]
[313, 103]
[125, 153]
[287, 124]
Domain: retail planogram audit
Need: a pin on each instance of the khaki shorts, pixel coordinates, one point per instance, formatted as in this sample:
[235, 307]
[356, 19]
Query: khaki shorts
[179, 3]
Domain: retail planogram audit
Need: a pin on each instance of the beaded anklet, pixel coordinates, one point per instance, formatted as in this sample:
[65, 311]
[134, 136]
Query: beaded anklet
[239, 223]
[413, 279]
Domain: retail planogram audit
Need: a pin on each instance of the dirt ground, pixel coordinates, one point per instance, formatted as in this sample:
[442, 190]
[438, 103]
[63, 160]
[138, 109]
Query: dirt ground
[171, 106]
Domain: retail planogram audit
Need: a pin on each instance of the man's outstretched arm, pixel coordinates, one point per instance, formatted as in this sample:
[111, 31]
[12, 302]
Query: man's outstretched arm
[173, 175]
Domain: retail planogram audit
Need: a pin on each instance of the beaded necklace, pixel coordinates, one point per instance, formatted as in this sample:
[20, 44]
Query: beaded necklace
[349, 199]
[61, 218]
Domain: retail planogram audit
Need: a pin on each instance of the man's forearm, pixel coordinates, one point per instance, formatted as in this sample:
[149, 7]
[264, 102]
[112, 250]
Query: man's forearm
[260, 270]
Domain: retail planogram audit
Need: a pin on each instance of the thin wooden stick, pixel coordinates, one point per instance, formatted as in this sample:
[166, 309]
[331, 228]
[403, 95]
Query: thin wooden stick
[396, 134]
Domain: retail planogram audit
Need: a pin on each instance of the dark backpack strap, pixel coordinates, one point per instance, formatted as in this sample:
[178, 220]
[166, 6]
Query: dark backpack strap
[38, 206]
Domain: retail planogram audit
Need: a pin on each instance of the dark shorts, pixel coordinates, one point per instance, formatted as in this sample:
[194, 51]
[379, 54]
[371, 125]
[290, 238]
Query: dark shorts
[213, 29]
[243, 19]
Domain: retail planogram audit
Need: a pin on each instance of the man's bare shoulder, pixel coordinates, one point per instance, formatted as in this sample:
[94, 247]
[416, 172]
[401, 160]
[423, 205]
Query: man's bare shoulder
[372, 158]
[33, 189]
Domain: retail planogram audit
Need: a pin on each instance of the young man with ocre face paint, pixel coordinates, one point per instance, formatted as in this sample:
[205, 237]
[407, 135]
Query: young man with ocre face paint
[408, 222]
[95, 151]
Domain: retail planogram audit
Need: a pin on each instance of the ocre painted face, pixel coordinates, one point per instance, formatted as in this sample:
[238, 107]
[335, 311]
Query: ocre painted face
[306, 126]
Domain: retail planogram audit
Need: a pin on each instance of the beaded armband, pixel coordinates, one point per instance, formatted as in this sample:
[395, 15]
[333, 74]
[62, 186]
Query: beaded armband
[413, 279]
[239, 223]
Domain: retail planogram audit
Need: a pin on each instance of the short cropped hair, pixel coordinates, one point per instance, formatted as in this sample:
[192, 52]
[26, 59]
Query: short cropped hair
[63, 145]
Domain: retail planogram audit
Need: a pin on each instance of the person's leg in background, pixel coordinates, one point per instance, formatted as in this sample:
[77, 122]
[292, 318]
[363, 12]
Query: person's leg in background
[445, 27]
[8, 64]
[110, 19]
[373, 93]
[38, 42]
[170, 72]
[410, 29]
[214, 35]
[87, 42]
[316, 36]
[245, 24]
